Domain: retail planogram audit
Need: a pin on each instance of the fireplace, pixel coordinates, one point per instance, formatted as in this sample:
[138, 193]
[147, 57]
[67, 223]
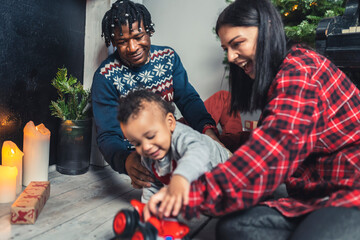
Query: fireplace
[36, 39]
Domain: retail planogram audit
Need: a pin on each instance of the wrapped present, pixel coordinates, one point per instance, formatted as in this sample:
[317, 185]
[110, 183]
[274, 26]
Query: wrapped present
[250, 125]
[29, 204]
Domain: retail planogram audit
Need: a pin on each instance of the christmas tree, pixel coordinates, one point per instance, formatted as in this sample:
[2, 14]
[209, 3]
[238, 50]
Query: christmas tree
[301, 18]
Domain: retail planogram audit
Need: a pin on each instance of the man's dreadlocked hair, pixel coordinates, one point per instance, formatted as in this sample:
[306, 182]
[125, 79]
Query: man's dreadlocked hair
[125, 12]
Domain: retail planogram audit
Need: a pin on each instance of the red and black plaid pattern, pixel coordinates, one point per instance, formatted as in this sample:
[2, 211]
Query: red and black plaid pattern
[308, 136]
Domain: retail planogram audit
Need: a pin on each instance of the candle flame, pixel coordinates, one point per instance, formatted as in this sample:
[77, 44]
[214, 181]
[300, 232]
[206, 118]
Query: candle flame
[10, 152]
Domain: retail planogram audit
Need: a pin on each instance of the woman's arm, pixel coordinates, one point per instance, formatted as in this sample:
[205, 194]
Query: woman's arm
[273, 152]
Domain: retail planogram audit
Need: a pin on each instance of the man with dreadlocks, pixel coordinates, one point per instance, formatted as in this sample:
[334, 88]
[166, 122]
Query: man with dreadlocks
[138, 64]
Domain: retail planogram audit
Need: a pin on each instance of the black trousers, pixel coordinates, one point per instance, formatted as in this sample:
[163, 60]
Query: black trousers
[265, 223]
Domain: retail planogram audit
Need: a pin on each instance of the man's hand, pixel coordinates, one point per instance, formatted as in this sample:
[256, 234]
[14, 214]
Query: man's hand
[212, 134]
[140, 176]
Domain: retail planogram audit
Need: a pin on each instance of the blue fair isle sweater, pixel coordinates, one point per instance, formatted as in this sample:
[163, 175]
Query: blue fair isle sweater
[164, 74]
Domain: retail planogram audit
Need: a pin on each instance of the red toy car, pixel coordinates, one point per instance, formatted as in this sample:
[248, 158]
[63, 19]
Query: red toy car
[130, 223]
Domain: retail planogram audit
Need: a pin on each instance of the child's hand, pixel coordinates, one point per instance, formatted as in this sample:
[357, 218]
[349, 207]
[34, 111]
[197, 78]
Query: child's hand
[177, 195]
[151, 208]
[171, 197]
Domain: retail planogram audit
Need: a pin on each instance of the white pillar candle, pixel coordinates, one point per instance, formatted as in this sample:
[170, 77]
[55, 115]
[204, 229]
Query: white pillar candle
[36, 153]
[7, 184]
[13, 157]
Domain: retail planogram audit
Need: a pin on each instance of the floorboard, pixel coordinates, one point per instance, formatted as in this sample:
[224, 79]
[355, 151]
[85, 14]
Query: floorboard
[83, 207]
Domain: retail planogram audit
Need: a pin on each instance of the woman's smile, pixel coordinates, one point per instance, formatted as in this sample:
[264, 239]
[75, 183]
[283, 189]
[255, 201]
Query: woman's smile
[240, 45]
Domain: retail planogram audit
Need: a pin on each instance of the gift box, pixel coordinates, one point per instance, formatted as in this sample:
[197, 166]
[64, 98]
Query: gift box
[250, 125]
[27, 207]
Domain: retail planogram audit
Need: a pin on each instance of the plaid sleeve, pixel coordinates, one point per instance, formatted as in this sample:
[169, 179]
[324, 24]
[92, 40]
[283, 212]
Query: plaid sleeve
[259, 166]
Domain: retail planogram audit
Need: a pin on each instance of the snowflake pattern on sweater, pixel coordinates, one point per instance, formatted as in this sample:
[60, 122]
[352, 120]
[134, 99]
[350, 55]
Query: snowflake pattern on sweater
[157, 76]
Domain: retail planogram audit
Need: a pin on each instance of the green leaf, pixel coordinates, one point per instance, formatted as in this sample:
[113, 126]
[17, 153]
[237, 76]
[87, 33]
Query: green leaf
[73, 99]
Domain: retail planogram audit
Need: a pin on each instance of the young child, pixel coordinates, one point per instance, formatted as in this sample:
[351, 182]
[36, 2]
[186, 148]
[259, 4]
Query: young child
[175, 153]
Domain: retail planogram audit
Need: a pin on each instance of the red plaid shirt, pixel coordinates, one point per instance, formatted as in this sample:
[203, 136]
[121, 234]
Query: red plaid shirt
[308, 137]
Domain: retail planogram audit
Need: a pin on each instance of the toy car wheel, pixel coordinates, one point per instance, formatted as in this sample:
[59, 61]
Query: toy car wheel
[145, 233]
[125, 223]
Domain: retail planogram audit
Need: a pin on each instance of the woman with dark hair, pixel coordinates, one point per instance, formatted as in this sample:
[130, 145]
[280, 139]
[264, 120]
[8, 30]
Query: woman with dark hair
[307, 137]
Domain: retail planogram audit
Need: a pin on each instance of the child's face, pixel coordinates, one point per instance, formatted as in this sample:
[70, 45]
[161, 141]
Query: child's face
[150, 131]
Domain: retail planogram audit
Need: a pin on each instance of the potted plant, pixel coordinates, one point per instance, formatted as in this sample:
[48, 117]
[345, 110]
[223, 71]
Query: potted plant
[73, 108]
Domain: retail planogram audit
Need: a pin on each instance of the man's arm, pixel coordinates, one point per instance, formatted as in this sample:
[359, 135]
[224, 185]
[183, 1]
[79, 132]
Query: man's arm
[109, 136]
[188, 100]
[117, 151]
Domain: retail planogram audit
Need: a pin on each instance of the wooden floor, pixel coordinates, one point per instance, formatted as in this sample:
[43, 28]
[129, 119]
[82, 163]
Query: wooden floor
[83, 207]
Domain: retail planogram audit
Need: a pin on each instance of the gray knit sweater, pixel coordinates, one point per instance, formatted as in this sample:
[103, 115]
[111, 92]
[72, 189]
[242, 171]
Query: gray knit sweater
[194, 153]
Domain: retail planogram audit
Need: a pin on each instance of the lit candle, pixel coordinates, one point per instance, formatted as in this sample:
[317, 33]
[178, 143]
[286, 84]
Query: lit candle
[7, 184]
[36, 153]
[13, 157]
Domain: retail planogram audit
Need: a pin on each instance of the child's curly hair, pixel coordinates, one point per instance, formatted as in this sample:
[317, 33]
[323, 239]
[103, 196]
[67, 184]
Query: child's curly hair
[133, 103]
